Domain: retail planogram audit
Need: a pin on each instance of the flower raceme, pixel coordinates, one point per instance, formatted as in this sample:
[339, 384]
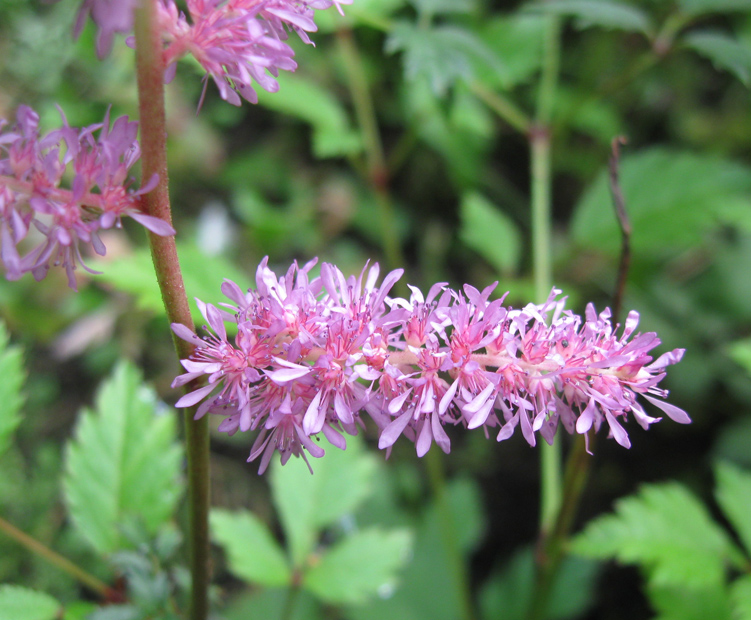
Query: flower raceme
[34, 190]
[238, 42]
[316, 355]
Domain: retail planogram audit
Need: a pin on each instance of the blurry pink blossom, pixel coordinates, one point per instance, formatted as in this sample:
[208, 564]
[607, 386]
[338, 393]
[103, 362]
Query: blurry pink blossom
[68, 184]
[312, 355]
[240, 43]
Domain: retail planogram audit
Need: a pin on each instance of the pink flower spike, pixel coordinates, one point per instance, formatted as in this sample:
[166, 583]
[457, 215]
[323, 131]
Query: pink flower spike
[316, 355]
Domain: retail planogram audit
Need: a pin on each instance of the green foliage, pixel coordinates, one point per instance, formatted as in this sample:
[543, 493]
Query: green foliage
[12, 373]
[516, 41]
[313, 103]
[350, 570]
[602, 13]
[359, 566]
[725, 52]
[734, 497]
[123, 463]
[442, 55]
[253, 554]
[740, 593]
[307, 503]
[673, 198]
[508, 593]
[665, 529]
[490, 232]
[696, 603]
[695, 8]
[740, 351]
[437, 7]
[135, 275]
[17, 603]
[684, 553]
[426, 589]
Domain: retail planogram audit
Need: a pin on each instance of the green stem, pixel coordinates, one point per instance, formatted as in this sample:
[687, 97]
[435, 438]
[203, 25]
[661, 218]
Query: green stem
[457, 565]
[377, 170]
[503, 107]
[540, 143]
[551, 548]
[33, 545]
[150, 76]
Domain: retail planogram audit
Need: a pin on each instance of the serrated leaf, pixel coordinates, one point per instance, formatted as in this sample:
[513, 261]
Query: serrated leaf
[17, 603]
[740, 598]
[308, 503]
[443, 55]
[488, 231]
[733, 493]
[357, 567]
[672, 199]
[724, 52]
[252, 552]
[701, 7]
[313, 103]
[12, 373]
[665, 529]
[682, 603]
[203, 275]
[122, 463]
[602, 13]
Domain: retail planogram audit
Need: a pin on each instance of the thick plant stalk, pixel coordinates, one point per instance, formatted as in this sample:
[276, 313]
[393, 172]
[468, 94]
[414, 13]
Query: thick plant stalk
[150, 74]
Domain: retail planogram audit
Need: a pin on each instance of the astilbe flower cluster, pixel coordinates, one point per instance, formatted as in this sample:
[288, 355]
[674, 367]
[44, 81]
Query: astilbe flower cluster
[314, 356]
[68, 184]
[240, 43]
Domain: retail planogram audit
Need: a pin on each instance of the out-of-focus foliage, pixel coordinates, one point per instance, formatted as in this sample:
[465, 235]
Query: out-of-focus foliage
[403, 123]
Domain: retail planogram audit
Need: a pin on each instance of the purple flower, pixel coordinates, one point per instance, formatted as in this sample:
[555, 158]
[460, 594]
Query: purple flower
[315, 356]
[240, 43]
[33, 176]
[110, 16]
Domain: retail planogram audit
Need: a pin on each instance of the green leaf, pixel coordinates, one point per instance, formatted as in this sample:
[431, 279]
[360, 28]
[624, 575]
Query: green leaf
[701, 7]
[123, 462]
[12, 373]
[427, 589]
[508, 594]
[203, 276]
[490, 232]
[443, 55]
[672, 198]
[359, 566]
[17, 603]
[313, 103]
[665, 529]
[517, 41]
[740, 598]
[733, 494]
[307, 503]
[740, 351]
[602, 13]
[252, 552]
[681, 603]
[725, 52]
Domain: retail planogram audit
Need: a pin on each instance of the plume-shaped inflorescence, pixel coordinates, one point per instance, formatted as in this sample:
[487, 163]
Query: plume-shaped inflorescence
[68, 185]
[315, 355]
